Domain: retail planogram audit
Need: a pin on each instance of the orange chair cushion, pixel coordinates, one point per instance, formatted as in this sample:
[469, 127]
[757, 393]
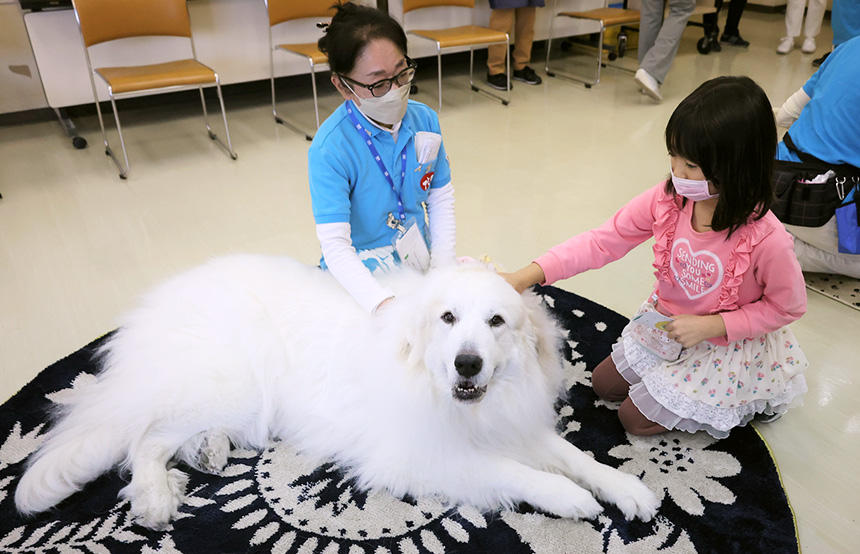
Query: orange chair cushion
[609, 16]
[309, 50]
[466, 35]
[159, 75]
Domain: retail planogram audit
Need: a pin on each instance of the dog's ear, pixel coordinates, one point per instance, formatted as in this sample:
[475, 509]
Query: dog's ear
[545, 335]
[410, 325]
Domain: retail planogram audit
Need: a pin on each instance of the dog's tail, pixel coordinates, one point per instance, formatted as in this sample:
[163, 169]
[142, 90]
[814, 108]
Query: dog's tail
[83, 445]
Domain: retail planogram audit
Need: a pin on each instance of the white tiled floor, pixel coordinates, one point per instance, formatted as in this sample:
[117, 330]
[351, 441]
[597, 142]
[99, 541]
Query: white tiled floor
[77, 245]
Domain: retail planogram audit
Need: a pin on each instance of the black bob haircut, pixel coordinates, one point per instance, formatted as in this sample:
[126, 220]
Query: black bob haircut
[351, 28]
[726, 127]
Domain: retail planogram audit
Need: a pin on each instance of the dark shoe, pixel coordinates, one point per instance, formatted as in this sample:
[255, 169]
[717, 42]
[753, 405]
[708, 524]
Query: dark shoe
[527, 75]
[818, 61]
[766, 418]
[735, 40]
[498, 81]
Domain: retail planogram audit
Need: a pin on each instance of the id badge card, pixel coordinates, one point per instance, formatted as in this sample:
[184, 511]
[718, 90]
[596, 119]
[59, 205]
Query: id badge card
[649, 330]
[411, 248]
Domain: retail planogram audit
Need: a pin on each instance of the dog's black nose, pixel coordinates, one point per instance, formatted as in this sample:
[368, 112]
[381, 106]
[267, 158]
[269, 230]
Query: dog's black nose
[468, 365]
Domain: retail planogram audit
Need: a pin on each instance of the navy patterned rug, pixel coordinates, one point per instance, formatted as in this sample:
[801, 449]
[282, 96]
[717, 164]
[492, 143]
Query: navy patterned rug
[717, 496]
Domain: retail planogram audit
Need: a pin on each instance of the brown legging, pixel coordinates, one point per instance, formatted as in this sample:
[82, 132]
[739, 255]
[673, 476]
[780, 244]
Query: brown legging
[610, 385]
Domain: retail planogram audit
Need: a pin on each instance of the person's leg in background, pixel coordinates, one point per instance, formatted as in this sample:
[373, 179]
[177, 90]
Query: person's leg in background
[793, 20]
[524, 35]
[814, 17]
[500, 20]
[731, 34]
[710, 24]
[650, 21]
[655, 63]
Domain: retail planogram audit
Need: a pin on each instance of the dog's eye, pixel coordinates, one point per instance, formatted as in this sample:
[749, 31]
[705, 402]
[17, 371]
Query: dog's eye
[449, 318]
[496, 320]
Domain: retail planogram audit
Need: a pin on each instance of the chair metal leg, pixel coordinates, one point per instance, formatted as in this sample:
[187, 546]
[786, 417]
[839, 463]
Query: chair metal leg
[599, 54]
[278, 117]
[439, 72]
[314, 88]
[476, 88]
[123, 171]
[205, 113]
[229, 145]
[588, 83]
[548, 46]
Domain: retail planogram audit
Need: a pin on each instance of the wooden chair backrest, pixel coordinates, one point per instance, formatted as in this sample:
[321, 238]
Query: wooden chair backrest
[287, 10]
[409, 5]
[104, 20]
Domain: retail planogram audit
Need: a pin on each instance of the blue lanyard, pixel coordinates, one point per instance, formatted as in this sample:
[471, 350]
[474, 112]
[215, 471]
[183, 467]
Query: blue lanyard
[359, 128]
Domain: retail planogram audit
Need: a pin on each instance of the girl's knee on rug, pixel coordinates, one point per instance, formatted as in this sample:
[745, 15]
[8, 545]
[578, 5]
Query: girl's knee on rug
[608, 384]
[635, 422]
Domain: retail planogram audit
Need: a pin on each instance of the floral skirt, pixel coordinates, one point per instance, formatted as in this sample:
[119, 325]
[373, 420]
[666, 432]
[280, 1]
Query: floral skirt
[710, 387]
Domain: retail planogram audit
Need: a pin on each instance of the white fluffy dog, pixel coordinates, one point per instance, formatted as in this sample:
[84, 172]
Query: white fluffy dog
[449, 391]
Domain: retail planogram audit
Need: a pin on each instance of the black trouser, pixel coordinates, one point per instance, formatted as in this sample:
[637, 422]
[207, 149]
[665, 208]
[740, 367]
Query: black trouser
[736, 9]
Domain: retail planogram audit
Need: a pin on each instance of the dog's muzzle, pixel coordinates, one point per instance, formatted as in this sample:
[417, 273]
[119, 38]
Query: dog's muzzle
[468, 366]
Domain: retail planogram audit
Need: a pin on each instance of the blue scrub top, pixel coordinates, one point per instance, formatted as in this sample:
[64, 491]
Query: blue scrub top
[828, 125]
[845, 20]
[348, 186]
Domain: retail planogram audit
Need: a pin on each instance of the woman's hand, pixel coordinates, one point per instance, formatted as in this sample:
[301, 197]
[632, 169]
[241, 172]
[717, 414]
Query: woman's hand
[690, 330]
[524, 278]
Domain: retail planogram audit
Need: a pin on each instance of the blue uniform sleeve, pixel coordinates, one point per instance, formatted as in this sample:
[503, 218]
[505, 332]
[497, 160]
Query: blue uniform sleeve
[329, 186]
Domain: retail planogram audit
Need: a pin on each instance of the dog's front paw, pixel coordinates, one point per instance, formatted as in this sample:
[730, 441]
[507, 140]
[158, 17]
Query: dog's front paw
[154, 505]
[632, 497]
[571, 502]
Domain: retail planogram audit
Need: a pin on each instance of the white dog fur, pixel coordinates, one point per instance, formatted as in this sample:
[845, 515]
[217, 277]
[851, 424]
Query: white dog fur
[257, 348]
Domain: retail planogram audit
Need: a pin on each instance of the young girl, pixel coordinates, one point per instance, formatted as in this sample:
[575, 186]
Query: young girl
[726, 275]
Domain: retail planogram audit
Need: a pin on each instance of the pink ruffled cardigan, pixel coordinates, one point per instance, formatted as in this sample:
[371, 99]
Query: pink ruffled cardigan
[752, 279]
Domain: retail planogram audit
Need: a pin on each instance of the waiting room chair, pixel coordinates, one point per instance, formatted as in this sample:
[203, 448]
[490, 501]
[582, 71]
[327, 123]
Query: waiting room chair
[281, 11]
[106, 20]
[466, 35]
[606, 17]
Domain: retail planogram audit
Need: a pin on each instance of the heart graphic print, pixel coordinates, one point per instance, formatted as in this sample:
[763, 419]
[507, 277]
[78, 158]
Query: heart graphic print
[698, 272]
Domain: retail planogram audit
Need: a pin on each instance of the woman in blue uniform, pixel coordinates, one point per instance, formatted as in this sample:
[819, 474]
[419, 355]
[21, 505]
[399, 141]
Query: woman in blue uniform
[380, 182]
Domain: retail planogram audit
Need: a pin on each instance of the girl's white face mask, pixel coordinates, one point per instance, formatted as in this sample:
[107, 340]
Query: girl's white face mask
[691, 189]
[388, 109]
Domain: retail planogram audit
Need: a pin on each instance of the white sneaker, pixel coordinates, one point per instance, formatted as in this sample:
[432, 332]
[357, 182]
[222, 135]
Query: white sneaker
[649, 84]
[808, 45]
[785, 45]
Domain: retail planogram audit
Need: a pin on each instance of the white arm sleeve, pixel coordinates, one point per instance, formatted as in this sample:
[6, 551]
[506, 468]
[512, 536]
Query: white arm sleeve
[346, 267]
[443, 227]
[790, 111]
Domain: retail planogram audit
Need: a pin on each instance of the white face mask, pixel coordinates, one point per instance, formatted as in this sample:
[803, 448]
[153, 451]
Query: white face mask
[388, 109]
[691, 189]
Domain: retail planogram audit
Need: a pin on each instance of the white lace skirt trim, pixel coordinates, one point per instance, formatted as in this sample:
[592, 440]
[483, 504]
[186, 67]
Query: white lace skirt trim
[714, 388]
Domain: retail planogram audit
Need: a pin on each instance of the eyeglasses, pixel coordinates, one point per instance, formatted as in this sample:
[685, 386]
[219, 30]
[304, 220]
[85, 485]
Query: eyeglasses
[381, 87]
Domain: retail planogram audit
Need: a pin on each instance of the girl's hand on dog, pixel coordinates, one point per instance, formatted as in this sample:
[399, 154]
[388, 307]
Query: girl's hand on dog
[690, 330]
[524, 278]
